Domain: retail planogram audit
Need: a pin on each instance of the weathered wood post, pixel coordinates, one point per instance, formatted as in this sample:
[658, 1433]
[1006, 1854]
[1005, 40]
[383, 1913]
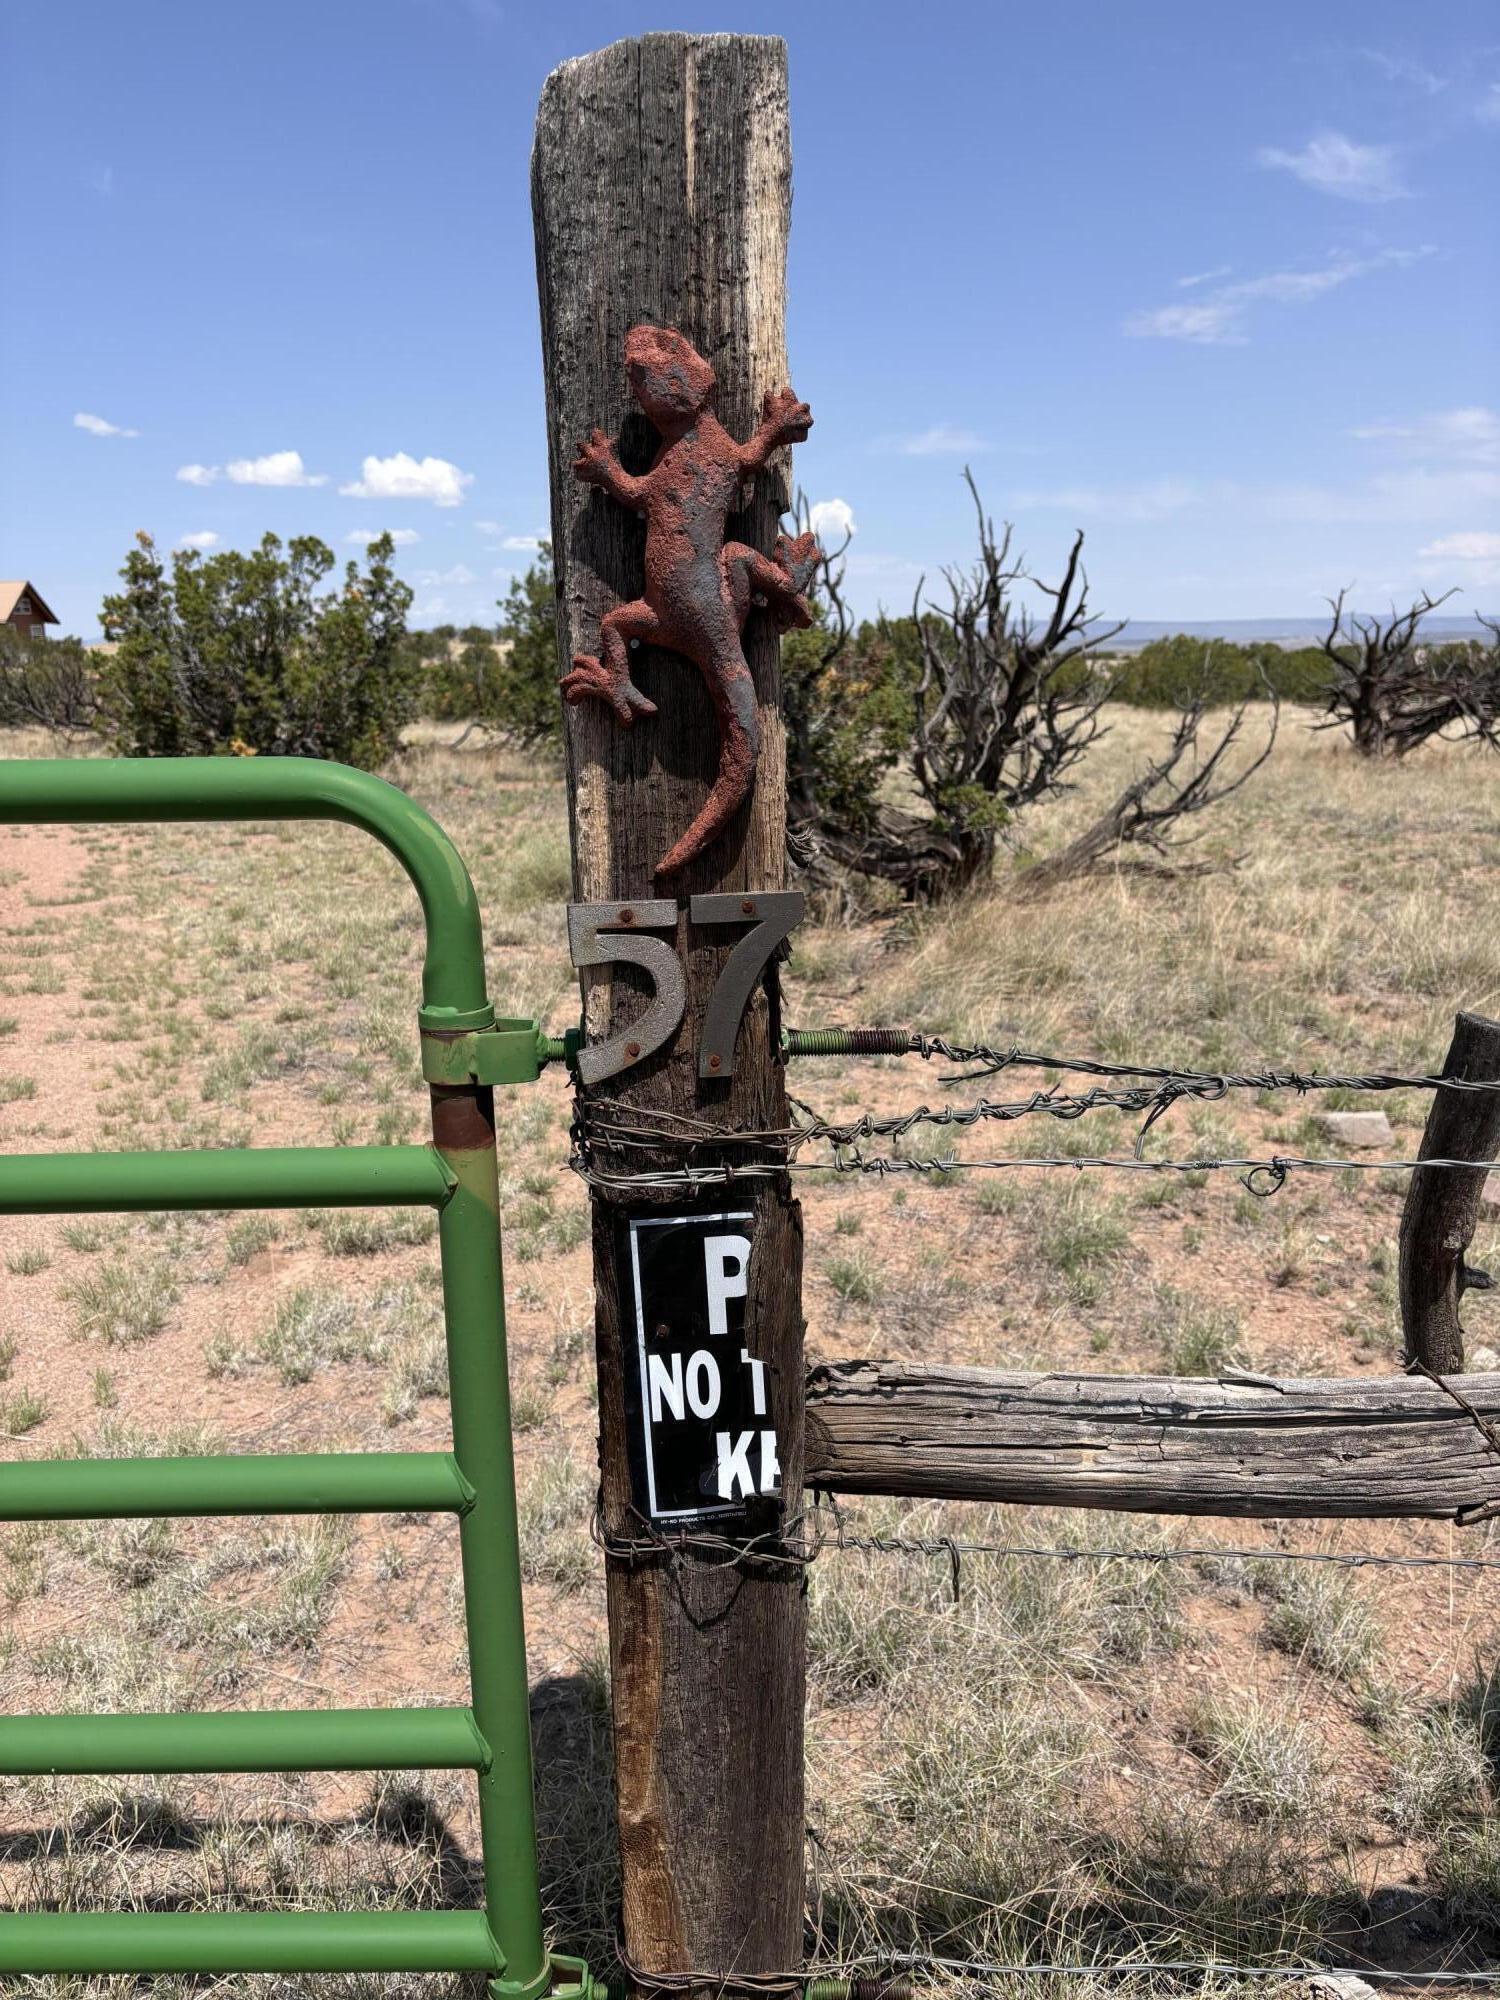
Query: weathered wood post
[1442, 1204]
[661, 183]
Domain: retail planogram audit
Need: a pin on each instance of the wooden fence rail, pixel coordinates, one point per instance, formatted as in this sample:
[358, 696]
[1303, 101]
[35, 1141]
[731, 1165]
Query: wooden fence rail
[1384, 1446]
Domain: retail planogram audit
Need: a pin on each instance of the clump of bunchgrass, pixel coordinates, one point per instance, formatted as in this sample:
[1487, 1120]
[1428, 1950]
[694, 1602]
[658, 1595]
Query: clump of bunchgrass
[355, 1232]
[123, 1302]
[1197, 1337]
[1319, 1616]
[554, 1504]
[854, 1277]
[1266, 1762]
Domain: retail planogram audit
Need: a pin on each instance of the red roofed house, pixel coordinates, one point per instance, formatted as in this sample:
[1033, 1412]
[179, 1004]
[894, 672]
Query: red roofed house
[23, 607]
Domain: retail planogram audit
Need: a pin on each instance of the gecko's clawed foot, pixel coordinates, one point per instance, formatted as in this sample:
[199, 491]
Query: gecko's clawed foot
[590, 677]
[798, 556]
[596, 463]
[788, 415]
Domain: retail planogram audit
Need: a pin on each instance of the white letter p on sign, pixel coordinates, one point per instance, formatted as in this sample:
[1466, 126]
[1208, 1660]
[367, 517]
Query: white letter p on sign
[727, 1266]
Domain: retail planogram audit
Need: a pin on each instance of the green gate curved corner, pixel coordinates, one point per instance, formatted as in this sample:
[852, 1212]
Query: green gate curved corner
[465, 1052]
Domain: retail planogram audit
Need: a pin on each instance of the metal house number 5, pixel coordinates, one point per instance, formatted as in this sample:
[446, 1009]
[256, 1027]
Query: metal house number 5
[606, 933]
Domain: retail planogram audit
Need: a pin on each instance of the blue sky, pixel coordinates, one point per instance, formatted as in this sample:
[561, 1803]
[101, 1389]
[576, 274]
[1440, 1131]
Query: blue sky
[1217, 285]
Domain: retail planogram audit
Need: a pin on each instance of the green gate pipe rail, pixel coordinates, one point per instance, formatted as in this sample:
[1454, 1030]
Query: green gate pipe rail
[260, 1177]
[256, 1941]
[128, 1489]
[331, 1739]
[51, 791]
[456, 1175]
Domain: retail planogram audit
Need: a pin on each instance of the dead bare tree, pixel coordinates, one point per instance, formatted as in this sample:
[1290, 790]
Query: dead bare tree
[1153, 809]
[1001, 706]
[1006, 704]
[807, 713]
[1393, 694]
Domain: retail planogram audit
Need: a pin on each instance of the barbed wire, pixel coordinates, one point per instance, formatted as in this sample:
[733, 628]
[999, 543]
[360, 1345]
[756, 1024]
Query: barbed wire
[1206, 1968]
[951, 1548]
[1259, 1176]
[992, 1059]
[611, 1126]
[797, 1983]
[775, 1548]
[788, 1548]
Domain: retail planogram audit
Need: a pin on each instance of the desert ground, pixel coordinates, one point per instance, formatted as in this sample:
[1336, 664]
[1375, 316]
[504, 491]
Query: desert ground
[1226, 1757]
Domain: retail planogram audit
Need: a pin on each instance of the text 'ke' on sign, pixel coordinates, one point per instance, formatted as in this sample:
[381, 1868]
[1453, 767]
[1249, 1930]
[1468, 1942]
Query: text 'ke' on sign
[701, 1437]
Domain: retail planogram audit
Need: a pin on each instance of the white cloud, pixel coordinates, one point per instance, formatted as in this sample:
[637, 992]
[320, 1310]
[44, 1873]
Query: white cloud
[1404, 70]
[1406, 494]
[204, 538]
[1204, 277]
[277, 468]
[198, 475]
[401, 477]
[1218, 318]
[938, 441]
[1487, 110]
[1215, 323]
[1339, 166]
[520, 544]
[361, 538]
[832, 521]
[1470, 435]
[1472, 545]
[1401, 496]
[101, 427]
[1475, 550]
[1148, 500]
[458, 576]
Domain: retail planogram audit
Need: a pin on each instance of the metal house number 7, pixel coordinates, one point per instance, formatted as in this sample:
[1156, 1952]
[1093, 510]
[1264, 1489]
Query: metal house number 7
[607, 933]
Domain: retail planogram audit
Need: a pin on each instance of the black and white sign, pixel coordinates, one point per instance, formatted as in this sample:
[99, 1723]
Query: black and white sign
[701, 1434]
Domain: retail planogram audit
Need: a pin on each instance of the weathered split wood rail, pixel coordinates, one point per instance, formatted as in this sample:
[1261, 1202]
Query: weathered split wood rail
[1383, 1446]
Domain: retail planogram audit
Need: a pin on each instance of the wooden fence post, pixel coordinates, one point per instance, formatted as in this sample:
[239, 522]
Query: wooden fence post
[661, 184]
[1442, 1205]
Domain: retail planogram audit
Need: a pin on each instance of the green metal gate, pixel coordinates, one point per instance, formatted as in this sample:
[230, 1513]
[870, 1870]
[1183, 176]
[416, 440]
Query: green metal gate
[465, 1051]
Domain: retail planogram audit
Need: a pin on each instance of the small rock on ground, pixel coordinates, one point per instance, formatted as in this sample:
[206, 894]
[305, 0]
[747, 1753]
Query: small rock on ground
[1362, 1130]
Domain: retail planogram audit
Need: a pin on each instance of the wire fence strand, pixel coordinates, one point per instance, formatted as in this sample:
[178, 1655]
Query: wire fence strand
[1203, 1968]
[619, 1146]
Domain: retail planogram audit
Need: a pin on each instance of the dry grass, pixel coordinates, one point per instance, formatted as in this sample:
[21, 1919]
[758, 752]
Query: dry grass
[1217, 1758]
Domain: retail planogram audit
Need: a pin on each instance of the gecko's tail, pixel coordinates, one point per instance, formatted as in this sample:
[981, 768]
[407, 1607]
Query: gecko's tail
[739, 750]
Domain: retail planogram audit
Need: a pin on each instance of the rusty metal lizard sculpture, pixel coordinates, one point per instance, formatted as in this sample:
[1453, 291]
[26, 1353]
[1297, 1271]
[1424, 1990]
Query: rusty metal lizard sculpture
[699, 588]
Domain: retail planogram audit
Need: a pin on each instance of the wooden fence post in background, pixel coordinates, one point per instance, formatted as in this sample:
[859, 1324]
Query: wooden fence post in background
[1442, 1205]
[661, 182]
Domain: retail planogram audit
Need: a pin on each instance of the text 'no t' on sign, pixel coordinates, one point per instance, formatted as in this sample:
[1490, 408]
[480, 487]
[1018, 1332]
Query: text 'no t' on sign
[697, 1404]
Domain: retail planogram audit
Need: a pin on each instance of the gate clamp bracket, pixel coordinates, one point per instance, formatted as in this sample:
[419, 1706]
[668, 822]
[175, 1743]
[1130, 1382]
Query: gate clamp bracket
[565, 1978]
[508, 1052]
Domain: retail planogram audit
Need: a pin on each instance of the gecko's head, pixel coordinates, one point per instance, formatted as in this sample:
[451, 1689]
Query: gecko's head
[671, 380]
